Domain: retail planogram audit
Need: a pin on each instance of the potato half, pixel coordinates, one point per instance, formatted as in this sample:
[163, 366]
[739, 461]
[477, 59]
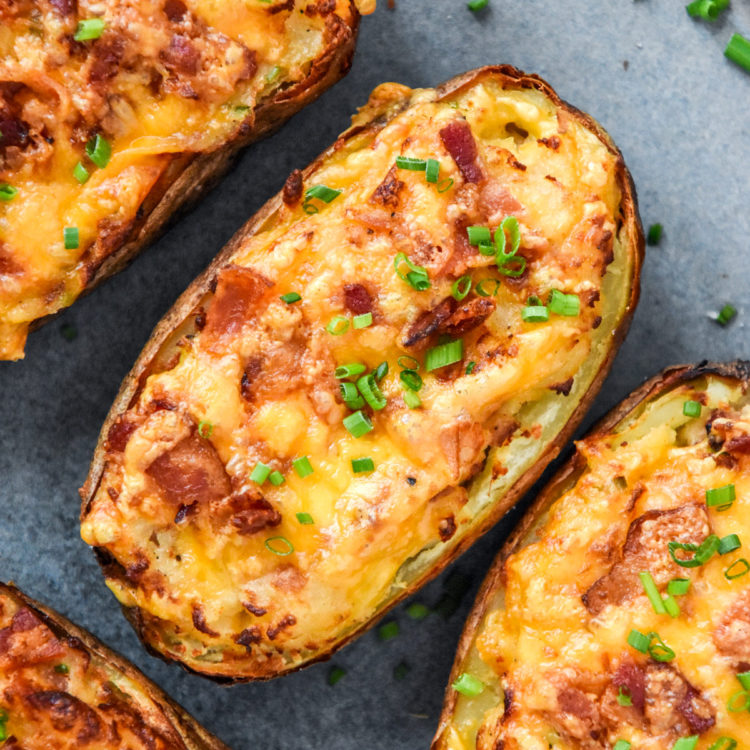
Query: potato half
[114, 115]
[263, 490]
[620, 609]
[61, 688]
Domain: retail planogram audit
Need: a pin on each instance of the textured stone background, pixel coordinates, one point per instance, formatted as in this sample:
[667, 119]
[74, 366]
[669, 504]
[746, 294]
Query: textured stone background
[678, 111]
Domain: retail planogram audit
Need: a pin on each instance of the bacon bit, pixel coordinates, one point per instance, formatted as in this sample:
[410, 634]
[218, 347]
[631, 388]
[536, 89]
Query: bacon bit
[251, 513]
[184, 512]
[460, 144]
[15, 131]
[631, 676]
[238, 294]
[596, 322]
[292, 192]
[199, 621]
[429, 322]
[105, 55]
[64, 7]
[27, 641]
[562, 388]
[67, 714]
[579, 715]
[697, 711]
[672, 703]
[285, 622]
[252, 370]
[248, 637]
[175, 10]
[357, 299]
[200, 320]
[496, 202]
[468, 316]
[447, 528]
[191, 472]
[182, 56]
[134, 572]
[387, 193]
[732, 634]
[552, 142]
[119, 434]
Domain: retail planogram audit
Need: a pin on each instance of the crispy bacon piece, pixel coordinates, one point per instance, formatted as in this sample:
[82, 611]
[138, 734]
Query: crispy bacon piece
[119, 434]
[251, 513]
[106, 55]
[632, 679]
[732, 634]
[469, 315]
[67, 714]
[191, 472]
[182, 56]
[292, 192]
[672, 703]
[645, 548]
[429, 322]
[460, 144]
[387, 193]
[27, 641]
[175, 10]
[357, 299]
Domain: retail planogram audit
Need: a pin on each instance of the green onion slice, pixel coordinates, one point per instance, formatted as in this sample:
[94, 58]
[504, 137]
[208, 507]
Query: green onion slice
[432, 170]
[487, 248]
[461, 288]
[652, 592]
[349, 370]
[279, 545]
[478, 235]
[724, 743]
[726, 314]
[535, 314]
[738, 51]
[412, 400]
[720, 497]
[671, 605]
[417, 611]
[744, 679]
[729, 544]
[322, 193]
[305, 519]
[351, 397]
[654, 234]
[445, 184]
[623, 697]
[739, 702]
[468, 685]
[291, 297]
[408, 363]
[411, 163]
[564, 304]
[411, 380]
[621, 745]
[368, 387]
[475, 5]
[470, 367]
[691, 409]
[416, 277]
[380, 371]
[274, 73]
[335, 675]
[658, 650]
[400, 671]
[678, 586]
[302, 467]
[338, 325]
[358, 424]
[444, 355]
[481, 288]
[362, 465]
[276, 478]
[89, 29]
[7, 192]
[388, 631]
[205, 429]
[70, 238]
[362, 321]
[686, 743]
[99, 151]
[260, 473]
[639, 641]
[509, 225]
[737, 569]
[62, 668]
[703, 552]
[81, 173]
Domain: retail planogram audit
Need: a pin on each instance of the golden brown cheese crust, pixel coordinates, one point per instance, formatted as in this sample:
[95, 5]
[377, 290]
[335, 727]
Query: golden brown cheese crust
[60, 689]
[549, 633]
[175, 87]
[236, 377]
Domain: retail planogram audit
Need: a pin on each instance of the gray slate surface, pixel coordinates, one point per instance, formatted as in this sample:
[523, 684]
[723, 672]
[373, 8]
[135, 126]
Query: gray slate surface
[679, 112]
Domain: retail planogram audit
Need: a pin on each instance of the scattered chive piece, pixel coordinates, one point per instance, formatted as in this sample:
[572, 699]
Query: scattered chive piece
[432, 170]
[724, 743]
[260, 473]
[371, 393]
[691, 409]
[461, 287]
[481, 289]
[291, 297]
[738, 51]
[335, 675]
[708, 10]
[70, 238]
[735, 706]
[658, 650]
[410, 163]
[729, 544]
[68, 331]
[444, 355]
[470, 367]
[672, 607]
[380, 371]
[88, 29]
[412, 400]
[621, 745]
[99, 151]
[408, 363]
[564, 304]
[276, 478]
[623, 698]
[417, 611]
[305, 519]
[478, 235]
[388, 630]
[509, 224]
[7, 192]
[81, 173]
[652, 592]
[686, 743]
[744, 678]
[400, 671]
[411, 380]
[322, 193]
[3, 732]
[274, 73]
[358, 424]
[351, 397]
[737, 569]
[302, 467]
[721, 497]
[62, 668]
[468, 685]
[654, 234]
[362, 321]
[205, 429]
[726, 314]
[535, 314]
[445, 184]
[362, 465]
[703, 552]
[279, 545]
[337, 325]
[639, 641]
[678, 586]
[475, 5]
[349, 370]
[417, 276]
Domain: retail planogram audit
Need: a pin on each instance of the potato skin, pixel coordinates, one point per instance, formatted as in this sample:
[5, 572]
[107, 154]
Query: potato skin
[169, 718]
[382, 107]
[566, 476]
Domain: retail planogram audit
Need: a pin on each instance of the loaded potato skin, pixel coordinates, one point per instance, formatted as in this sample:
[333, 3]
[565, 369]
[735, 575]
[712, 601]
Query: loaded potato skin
[114, 115]
[619, 611]
[62, 689]
[368, 376]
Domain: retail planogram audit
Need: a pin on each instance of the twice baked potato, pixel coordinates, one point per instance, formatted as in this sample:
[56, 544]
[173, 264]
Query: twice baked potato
[114, 115]
[370, 374]
[61, 688]
[618, 614]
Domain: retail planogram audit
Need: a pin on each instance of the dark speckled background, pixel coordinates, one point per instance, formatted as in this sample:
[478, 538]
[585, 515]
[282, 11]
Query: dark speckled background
[653, 77]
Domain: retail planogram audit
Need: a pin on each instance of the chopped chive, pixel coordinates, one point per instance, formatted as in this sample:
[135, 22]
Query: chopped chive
[564, 304]
[744, 679]
[621, 745]
[686, 743]
[654, 234]
[691, 409]
[291, 297]
[726, 315]
[412, 400]
[274, 73]
[432, 170]
[335, 675]
[362, 465]
[639, 641]
[348, 370]
[7, 192]
[736, 706]
[81, 173]
[720, 497]
[461, 287]
[470, 367]
[475, 5]
[658, 650]
[477, 235]
[408, 363]
[260, 473]
[279, 545]
[445, 184]
[738, 51]
[737, 569]
[276, 478]
[481, 288]
[724, 743]
[205, 429]
[417, 611]
[443, 355]
[729, 544]
[371, 393]
[410, 163]
[337, 325]
[62, 668]
[99, 151]
[417, 277]
[70, 238]
[708, 10]
[322, 193]
[69, 332]
[302, 467]
[703, 552]
[362, 321]
[411, 380]
[351, 397]
[652, 592]
[468, 685]
[623, 697]
[535, 314]
[89, 29]
[400, 671]
[309, 208]
[305, 519]
[672, 607]
[510, 225]
[678, 586]
[358, 424]
[388, 631]
[380, 371]
[486, 248]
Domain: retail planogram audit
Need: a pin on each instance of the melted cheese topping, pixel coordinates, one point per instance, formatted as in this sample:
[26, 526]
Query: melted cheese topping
[55, 694]
[213, 595]
[166, 80]
[546, 637]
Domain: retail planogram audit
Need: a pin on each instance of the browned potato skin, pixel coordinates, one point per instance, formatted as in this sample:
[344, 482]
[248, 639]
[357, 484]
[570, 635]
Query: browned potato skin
[563, 480]
[373, 118]
[173, 717]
